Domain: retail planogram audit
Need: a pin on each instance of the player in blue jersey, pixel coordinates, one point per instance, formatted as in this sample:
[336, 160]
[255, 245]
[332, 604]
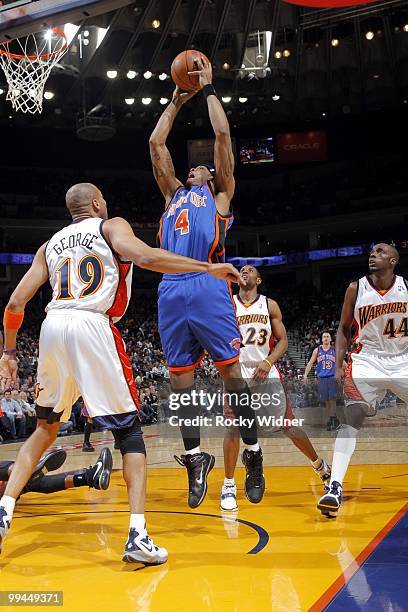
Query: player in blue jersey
[197, 315]
[324, 356]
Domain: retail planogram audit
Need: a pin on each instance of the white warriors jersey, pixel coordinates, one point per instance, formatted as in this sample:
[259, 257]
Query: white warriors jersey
[85, 274]
[256, 331]
[382, 318]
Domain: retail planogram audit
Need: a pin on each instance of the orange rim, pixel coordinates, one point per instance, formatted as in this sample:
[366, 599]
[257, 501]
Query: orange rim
[18, 56]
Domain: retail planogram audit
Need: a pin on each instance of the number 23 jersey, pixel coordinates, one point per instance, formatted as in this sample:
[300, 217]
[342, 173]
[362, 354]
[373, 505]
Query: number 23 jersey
[256, 331]
[85, 274]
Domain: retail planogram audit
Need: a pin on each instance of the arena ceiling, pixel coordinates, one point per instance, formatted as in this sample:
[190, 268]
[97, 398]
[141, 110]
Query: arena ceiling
[273, 61]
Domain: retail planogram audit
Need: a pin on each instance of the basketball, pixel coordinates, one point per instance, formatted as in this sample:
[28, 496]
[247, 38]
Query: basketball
[183, 63]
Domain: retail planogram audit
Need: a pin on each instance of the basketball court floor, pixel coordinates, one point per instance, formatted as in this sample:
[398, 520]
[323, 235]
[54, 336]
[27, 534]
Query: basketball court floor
[280, 555]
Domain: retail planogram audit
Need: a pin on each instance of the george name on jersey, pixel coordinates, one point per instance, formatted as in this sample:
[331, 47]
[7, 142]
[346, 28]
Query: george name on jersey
[370, 312]
[75, 240]
[253, 318]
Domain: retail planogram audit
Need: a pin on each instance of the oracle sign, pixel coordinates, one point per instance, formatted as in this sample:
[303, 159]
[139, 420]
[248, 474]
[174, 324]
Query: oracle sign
[299, 147]
[330, 3]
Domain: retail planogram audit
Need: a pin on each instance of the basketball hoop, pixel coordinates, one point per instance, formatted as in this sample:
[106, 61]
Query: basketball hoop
[28, 70]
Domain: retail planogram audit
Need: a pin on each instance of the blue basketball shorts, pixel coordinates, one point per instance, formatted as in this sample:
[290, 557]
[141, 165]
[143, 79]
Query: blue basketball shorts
[327, 388]
[197, 315]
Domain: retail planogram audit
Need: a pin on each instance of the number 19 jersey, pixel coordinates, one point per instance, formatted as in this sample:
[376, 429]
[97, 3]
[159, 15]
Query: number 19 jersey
[85, 274]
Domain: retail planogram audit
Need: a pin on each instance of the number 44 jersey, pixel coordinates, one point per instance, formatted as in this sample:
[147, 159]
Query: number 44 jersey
[85, 274]
[381, 318]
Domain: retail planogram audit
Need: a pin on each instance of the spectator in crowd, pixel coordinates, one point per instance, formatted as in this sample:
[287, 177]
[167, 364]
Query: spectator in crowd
[29, 411]
[13, 411]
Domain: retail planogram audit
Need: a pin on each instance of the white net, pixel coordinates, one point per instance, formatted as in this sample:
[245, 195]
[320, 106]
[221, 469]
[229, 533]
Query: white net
[27, 64]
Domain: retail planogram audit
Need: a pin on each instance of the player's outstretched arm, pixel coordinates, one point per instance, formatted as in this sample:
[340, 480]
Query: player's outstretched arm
[36, 276]
[120, 235]
[343, 335]
[223, 155]
[281, 337]
[163, 168]
[310, 364]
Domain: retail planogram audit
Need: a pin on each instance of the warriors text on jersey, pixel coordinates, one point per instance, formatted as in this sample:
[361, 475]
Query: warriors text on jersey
[325, 362]
[382, 317]
[256, 331]
[84, 272]
[192, 226]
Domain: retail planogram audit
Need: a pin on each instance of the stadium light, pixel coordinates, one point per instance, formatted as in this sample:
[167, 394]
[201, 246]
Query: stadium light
[146, 101]
[369, 35]
[163, 76]
[405, 28]
[243, 100]
[156, 24]
[164, 101]
[334, 42]
[131, 74]
[226, 99]
[286, 53]
[148, 74]
[278, 54]
[111, 74]
[48, 95]
[276, 97]
[129, 101]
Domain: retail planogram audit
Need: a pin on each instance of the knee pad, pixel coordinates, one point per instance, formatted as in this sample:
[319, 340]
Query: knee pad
[130, 439]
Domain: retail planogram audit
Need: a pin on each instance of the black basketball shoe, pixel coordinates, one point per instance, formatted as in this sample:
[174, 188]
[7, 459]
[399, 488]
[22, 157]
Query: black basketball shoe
[254, 485]
[87, 448]
[98, 475]
[198, 467]
[48, 463]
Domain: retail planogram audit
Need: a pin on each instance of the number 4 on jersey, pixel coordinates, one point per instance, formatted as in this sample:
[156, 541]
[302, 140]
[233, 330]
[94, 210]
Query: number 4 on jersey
[182, 222]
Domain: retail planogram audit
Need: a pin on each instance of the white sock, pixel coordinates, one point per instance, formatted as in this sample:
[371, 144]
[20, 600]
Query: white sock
[229, 482]
[318, 463]
[252, 447]
[193, 451]
[343, 449]
[8, 504]
[137, 521]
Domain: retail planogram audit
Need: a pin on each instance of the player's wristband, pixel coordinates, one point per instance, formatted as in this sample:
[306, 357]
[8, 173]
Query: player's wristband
[268, 362]
[12, 320]
[209, 90]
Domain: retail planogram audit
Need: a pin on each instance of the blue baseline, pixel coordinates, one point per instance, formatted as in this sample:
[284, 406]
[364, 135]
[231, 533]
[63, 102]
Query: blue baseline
[381, 583]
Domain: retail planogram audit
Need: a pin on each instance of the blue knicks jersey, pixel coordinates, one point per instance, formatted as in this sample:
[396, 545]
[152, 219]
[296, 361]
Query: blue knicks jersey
[325, 362]
[192, 226]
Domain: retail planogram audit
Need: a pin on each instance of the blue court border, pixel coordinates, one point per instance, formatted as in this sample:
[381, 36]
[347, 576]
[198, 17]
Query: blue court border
[380, 580]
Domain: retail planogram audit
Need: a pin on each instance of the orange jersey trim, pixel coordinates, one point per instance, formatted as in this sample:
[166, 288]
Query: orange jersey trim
[227, 361]
[126, 365]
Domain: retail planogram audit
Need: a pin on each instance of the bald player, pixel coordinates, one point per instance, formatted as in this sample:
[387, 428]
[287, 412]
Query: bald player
[81, 352]
[377, 305]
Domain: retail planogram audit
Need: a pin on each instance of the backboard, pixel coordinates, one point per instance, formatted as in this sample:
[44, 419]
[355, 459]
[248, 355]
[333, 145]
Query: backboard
[22, 17]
